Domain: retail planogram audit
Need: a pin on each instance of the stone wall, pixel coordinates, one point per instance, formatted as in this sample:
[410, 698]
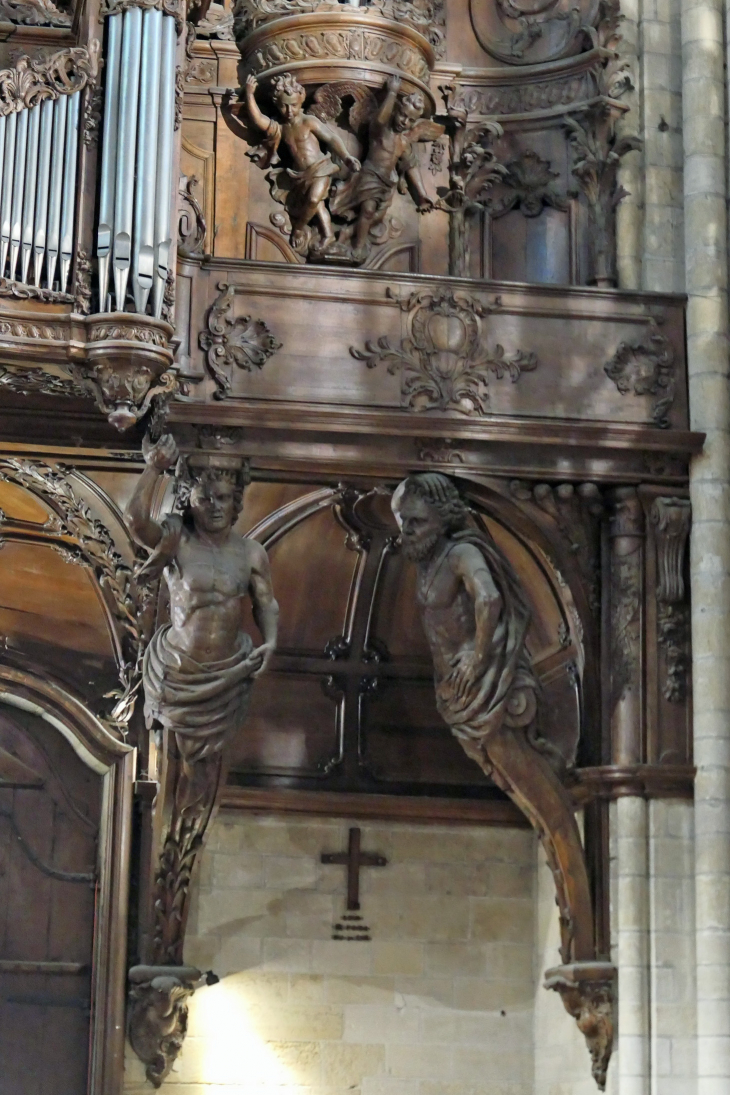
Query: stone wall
[439, 1002]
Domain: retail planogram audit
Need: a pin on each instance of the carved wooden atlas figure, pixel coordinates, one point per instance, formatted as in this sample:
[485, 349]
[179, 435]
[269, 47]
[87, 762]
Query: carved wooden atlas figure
[476, 619]
[198, 671]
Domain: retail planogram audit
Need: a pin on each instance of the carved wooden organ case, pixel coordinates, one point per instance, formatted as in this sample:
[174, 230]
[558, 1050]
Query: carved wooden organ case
[344, 243]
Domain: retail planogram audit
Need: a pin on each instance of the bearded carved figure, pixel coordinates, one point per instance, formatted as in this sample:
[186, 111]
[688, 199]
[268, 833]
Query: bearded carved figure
[476, 620]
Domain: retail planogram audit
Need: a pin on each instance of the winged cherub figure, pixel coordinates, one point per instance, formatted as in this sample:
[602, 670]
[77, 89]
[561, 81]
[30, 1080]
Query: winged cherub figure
[303, 135]
[391, 162]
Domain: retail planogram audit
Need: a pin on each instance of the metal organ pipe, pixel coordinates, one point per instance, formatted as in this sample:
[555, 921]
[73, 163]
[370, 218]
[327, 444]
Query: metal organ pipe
[137, 148]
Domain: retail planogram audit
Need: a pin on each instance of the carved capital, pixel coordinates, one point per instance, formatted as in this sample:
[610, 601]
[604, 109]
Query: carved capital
[444, 363]
[158, 1015]
[128, 364]
[588, 993]
[229, 343]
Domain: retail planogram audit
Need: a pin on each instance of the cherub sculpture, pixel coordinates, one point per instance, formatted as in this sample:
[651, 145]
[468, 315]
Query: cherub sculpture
[312, 172]
[391, 162]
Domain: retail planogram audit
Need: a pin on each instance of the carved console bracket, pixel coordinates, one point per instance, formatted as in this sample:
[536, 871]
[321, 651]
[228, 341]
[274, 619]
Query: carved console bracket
[588, 993]
[157, 1017]
[671, 518]
[124, 362]
[444, 364]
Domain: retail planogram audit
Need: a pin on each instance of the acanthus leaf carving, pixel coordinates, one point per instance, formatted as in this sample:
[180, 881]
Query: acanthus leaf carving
[175, 8]
[63, 73]
[34, 13]
[82, 283]
[626, 535]
[597, 152]
[37, 381]
[157, 1017]
[192, 228]
[473, 171]
[444, 364]
[646, 367]
[529, 183]
[88, 541]
[671, 518]
[243, 343]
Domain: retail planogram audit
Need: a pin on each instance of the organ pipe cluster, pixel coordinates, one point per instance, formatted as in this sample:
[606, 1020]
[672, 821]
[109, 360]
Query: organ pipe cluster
[134, 234]
[38, 150]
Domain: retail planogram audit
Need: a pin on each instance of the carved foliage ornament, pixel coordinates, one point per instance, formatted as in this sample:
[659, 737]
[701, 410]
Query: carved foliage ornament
[34, 13]
[192, 228]
[529, 185]
[671, 519]
[243, 342]
[444, 364]
[90, 543]
[175, 8]
[587, 990]
[37, 381]
[63, 73]
[427, 17]
[157, 1019]
[646, 367]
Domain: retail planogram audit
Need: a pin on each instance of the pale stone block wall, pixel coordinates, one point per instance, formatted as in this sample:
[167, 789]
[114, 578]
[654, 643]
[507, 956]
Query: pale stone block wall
[673, 982]
[440, 1002]
[562, 1062]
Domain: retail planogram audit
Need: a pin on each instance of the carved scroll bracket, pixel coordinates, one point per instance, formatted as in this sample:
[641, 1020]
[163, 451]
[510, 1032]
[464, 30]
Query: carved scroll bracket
[587, 990]
[157, 1017]
[443, 363]
[671, 518]
[229, 343]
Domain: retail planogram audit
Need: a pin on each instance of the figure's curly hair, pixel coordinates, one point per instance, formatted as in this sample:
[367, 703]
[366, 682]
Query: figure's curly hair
[286, 84]
[438, 491]
[416, 100]
[205, 478]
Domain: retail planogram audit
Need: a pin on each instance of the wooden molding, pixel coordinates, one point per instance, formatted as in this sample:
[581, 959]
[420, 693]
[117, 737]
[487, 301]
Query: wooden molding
[439, 811]
[613, 781]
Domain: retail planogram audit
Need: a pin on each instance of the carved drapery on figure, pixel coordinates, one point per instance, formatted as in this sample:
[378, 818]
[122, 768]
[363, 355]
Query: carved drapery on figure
[197, 674]
[476, 619]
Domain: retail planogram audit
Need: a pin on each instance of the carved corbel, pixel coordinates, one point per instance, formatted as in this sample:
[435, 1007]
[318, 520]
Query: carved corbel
[671, 519]
[157, 1016]
[587, 990]
[128, 364]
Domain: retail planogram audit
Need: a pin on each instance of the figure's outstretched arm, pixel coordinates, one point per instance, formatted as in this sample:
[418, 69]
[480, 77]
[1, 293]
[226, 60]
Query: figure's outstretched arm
[254, 113]
[332, 140]
[159, 458]
[386, 107]
[265, 607]
[416, 184]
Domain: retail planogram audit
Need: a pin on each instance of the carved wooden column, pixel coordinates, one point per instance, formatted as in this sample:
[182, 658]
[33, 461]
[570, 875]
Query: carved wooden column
[626, 582]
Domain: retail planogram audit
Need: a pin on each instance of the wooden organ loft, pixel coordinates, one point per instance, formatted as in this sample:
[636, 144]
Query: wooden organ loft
[344, 243]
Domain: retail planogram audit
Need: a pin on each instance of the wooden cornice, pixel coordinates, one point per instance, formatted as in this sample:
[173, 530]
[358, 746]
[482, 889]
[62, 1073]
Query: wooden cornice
[612, 781]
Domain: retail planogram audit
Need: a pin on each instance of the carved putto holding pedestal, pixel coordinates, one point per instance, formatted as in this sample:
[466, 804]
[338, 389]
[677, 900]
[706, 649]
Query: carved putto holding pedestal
[338, 198]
